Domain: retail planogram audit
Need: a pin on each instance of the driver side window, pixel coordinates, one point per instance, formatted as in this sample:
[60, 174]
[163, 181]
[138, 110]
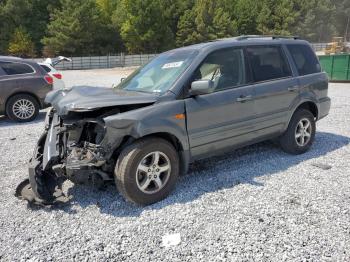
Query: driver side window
[226, 68]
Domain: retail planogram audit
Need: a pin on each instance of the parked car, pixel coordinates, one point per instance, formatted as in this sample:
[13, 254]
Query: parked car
[186, 104]
[49, 66]
[23, 87]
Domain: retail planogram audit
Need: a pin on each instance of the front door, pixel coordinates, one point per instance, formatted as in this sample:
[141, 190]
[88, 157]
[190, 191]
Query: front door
[223, 118]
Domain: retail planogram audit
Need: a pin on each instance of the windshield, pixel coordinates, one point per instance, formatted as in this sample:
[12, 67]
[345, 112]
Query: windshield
[159, 74]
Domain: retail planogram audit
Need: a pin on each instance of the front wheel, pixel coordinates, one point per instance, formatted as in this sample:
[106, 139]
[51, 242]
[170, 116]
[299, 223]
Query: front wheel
[147, 170]
[300, 134]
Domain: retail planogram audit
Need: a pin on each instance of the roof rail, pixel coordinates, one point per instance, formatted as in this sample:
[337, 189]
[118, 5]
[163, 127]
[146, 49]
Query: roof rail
[273, 37]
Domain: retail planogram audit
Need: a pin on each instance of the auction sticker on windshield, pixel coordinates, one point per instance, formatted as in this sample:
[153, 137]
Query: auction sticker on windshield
[172, 65]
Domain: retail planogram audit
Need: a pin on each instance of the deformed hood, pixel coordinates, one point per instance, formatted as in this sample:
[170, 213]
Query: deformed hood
[87, 98]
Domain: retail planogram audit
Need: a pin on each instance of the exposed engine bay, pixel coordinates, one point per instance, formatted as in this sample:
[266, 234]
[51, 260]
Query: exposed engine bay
[73, 147]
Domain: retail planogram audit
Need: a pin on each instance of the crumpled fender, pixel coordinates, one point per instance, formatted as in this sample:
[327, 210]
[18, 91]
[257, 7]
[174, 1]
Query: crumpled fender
[158, 118]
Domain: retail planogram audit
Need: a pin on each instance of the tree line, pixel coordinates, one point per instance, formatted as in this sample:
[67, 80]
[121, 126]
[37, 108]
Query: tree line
[30, 28]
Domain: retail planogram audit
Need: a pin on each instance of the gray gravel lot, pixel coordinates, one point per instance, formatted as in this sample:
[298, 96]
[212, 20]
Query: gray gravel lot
[256, 204]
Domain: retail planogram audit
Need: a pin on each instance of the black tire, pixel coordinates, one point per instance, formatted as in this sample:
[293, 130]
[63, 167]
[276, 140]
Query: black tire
[125, 173]
[30, 100]
[288, 140]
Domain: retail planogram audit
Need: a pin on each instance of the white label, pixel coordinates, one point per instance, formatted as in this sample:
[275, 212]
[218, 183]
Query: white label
[172, 65]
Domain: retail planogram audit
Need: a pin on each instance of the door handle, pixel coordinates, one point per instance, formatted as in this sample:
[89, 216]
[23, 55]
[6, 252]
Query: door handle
[244, 98]
[293, 89]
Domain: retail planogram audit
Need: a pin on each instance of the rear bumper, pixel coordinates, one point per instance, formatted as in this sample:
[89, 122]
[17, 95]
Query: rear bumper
[323, 107]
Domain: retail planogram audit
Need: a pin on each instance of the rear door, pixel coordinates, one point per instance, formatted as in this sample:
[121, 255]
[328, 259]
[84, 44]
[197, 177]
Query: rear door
[16, 77]
[3, 84]
[275, 87]
[221, 119]
[8, 82]
[313, 82]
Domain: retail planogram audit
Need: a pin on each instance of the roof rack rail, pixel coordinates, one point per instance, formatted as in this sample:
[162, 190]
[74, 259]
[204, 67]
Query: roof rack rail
[273, 37]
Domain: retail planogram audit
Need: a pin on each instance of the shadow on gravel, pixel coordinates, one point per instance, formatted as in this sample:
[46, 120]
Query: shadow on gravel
[238, 167]
[5, 121]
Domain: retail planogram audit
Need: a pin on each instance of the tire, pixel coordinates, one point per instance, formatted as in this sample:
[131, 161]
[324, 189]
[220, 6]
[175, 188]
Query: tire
[30, 104]
[135, 170]
[291, 140]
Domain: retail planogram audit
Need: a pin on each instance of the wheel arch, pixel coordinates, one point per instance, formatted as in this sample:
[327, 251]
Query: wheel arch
[184, 154]
[308, 105]
[172, 139]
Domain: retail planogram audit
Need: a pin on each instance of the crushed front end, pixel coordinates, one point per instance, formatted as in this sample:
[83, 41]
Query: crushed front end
[70, 148]
[79, 143]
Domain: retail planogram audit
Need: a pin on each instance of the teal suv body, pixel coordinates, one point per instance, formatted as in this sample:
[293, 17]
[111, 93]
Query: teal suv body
[186, 104]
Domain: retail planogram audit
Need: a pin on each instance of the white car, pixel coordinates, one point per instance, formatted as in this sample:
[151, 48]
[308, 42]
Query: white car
[48, 66]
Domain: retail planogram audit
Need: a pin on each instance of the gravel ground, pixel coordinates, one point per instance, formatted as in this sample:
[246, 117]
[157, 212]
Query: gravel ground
[256, 204]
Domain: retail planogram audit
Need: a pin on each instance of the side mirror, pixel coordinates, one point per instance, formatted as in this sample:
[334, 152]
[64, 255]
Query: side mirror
[202, 87]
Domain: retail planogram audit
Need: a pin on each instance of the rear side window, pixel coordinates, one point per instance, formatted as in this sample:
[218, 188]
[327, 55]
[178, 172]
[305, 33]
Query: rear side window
[16, 68]
[46, 68]
[304, 59]
[268, 63]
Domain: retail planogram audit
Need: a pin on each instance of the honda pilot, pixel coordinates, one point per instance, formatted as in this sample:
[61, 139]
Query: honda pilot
[186, 104]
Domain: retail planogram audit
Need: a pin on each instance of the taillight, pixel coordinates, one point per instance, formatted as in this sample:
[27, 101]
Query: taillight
[57, 75]
[48, 79]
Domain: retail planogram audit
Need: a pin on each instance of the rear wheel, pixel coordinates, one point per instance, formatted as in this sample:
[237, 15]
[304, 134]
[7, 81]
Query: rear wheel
[147, 171]
[300, 134]
[22, 108]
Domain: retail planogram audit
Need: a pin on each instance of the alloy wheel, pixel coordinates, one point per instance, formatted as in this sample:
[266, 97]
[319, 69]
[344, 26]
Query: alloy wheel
[153, 172]
[23, 109]
[303, 132]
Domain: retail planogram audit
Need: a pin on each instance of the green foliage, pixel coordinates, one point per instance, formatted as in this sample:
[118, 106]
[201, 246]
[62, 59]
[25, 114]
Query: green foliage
[207, 20]
[342, 17]
[78, 28]
[107, 6]
[316, 20]
[143, 26]
[10, 19]
[88, 27]
[31, 15]
[245, 13]
[21, 44]
[276, 17]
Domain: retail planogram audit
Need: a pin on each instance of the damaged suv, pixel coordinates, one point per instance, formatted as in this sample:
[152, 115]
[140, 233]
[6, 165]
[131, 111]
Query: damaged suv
[186, 104]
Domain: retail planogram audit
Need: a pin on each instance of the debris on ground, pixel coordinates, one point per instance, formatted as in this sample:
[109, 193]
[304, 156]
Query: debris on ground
[322, 166]
[171, 240]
